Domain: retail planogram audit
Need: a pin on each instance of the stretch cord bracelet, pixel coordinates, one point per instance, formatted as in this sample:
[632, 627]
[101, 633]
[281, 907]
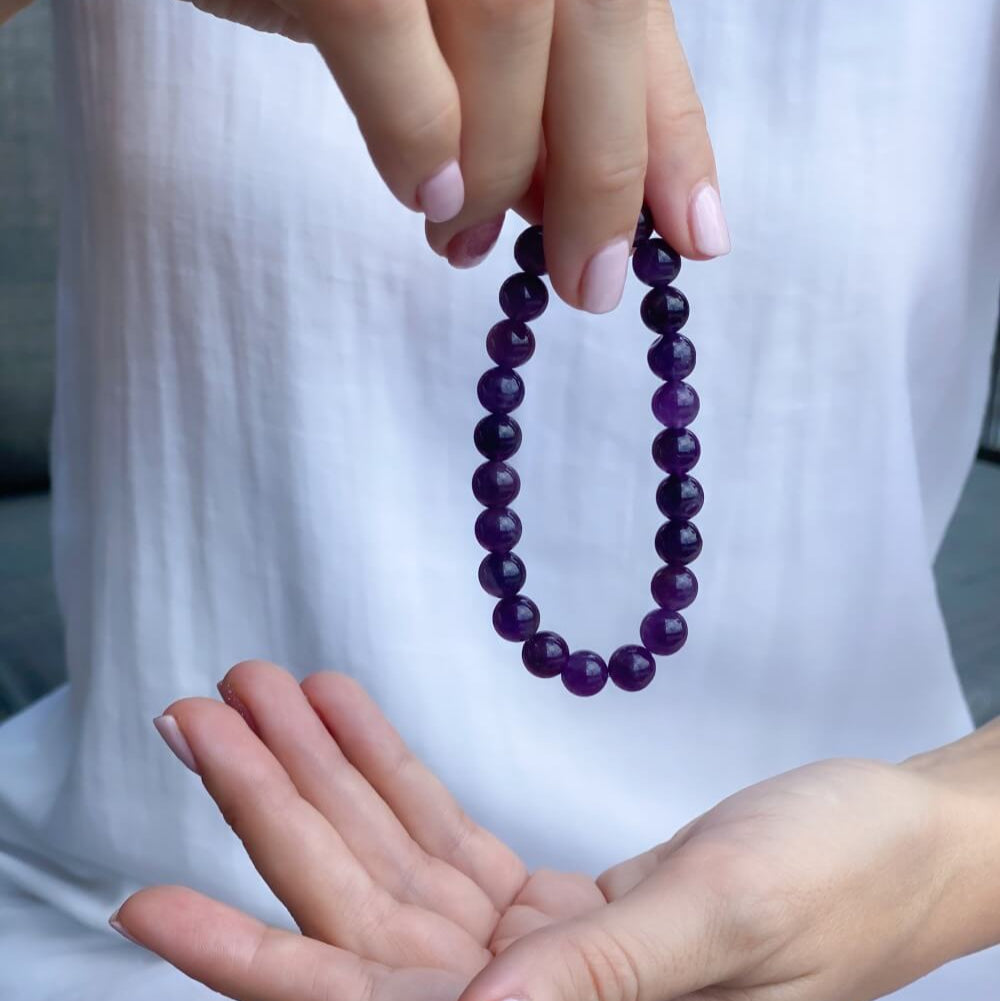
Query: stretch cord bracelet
[510, 343]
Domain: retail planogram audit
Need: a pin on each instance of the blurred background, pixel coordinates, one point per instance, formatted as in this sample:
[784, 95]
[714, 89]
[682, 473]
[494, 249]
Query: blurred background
[31, 651]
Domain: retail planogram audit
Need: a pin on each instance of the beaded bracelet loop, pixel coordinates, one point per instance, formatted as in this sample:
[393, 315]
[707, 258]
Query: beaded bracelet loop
[679, 497]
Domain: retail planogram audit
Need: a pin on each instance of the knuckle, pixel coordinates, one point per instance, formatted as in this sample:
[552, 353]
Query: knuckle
[687, 117]
[419, 134]
[601, 968]
[508, 11]
[370, 13]
[613, 175]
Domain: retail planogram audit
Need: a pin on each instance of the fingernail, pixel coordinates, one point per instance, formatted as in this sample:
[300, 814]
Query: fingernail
[168, 729]
[472, 245]
[120, 928]
[604, 277]
[708, 222]
[232, 700]
[441, 196]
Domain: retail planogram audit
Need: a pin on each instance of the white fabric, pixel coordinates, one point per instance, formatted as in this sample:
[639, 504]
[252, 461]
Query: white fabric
[263, 448]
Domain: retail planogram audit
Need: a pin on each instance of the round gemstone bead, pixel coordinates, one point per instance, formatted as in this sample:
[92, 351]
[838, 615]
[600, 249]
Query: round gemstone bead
[675, 404]
[500, 390]
[663, 631]
[679, 497]
[676, 450]
[656, 263]
[529, 251]
[510, 343]
[671, 357]
[523, 297]
[498, 529]
[585, 673]
[516, 618]
[631, 667]
[644, 227]
[495, 484]
[502, 574]
[664, 310]
[545, 654]
[674, 587]
[678, 542]
[497, 436]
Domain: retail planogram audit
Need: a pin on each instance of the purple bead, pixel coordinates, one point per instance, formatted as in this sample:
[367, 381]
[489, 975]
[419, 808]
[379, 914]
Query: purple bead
[529, 251]
[502, 574]
[516, 618]
[663, 632]
[676, 450]
[498, 529]
[510, 343]
[671, 357]
[495, 484]
[500, 390]
[585, 673]
[644, 227]
[678, 542]
[676, 404]
[545, 654]
[674, 587]
[679, 497]
[523, 297]
[631, 667]
[664, 310]
[497, 436]
[656, 263]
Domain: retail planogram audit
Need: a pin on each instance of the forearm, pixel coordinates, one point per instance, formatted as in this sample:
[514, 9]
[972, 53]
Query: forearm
[8, 8]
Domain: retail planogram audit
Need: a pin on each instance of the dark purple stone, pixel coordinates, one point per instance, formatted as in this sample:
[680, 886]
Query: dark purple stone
[502, 574]
[495, 484]
[664, 310]
[678, 542]
[663, 631]
[529, 251]
[510, 343]
[644, 227]
[674, 587]
[656, 263]
[631, 667]
[585, 673]
[497, 436]
[498, 529]
[523, 297]
[675, 404]
[500, 390]
[545, 654]
[516, 618]
[671, 357]
[676, 450]
[679, 497]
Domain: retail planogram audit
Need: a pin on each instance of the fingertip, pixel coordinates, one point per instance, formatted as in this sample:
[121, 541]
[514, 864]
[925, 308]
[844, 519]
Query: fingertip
[707, 222]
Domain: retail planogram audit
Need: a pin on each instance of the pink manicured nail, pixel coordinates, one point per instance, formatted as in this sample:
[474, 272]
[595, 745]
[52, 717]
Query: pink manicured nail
[120, 928]
[442, 195]
[168, 729]
[708, 222]
[232, 700]
[604, 277]
[472, 245]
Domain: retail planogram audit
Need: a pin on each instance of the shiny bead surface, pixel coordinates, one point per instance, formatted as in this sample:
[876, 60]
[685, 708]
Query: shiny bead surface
[644, 227]
[500, 390]
[545, 654]
[676, 450]
[523, 297]
[678, 542]
[495, 484]
[663, 632]
[510, 343]
[664, 310]
[585, 673]
[671, 357]
[656, 263]
[529, 251]
[498, 529]
[679, 497]
[516, 618]
[502, 574]
[497, 436]
[675, 404]
[674, 587]
[631, 667]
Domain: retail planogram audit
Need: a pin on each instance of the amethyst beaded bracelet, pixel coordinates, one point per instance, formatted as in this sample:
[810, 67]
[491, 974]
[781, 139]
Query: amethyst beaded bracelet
[679, 497]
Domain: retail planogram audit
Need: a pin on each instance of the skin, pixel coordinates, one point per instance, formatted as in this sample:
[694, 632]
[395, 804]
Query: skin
[844, 879]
